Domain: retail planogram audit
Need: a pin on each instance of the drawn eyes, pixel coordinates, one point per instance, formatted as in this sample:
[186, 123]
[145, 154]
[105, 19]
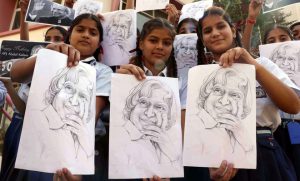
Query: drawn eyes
[144, 103]
[69, 89]
[235, 96]
[160, 108]
[218, 91]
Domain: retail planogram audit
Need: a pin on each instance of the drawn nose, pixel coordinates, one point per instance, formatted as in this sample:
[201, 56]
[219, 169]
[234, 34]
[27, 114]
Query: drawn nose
[224, 99]
[74, 100]
[149, 112]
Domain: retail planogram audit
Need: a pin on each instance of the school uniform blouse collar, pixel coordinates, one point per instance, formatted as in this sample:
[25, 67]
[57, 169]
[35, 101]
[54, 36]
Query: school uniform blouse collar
[90, 60]
[163, 73]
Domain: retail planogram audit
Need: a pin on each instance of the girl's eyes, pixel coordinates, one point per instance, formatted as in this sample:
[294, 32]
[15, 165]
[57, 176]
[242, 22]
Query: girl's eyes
[167, 43]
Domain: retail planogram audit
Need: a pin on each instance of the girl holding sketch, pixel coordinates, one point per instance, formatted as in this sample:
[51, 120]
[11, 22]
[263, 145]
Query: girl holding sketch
[218, 35]
[82, 44]
[277, 34]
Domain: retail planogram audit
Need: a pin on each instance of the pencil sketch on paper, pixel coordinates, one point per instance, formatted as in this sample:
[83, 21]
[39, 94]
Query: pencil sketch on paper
[148, 110]
[69, 96]
[195, 10]
[145, 132]
[225, 97]
[143, 5]
[185, 52]
[87, 6]
[59, 117]
[287, 57]
[119, 36]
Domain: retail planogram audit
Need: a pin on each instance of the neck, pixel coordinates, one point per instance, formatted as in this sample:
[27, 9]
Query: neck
[155, 69]
[82, 57]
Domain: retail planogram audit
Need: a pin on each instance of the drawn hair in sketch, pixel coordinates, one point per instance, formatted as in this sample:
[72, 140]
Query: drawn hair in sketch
[63, 77]
[185, 51]
[287, 57]
[221, 77]
[145, 89]
[91, 7]
[60, 11]
[116, 24]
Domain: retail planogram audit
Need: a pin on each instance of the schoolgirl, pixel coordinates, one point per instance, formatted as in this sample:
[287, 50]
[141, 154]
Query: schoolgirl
[274, 91]
[81, 44]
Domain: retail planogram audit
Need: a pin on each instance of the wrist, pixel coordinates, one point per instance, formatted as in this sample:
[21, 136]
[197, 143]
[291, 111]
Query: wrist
[251, 21]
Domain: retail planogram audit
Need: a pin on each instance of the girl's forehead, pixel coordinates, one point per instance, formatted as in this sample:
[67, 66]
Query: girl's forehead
[161, 33]
[88, 23]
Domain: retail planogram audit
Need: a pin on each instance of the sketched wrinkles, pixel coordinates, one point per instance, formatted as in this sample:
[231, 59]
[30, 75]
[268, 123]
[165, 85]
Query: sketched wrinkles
[149, 113]
[69, 105]
[225, 97]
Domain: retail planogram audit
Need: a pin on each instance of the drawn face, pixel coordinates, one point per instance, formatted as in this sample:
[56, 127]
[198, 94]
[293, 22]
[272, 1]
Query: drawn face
[288, 61]
[73, 99]
[296, 32]
[149, 111]
[217, 35]
[119, 29]
[156, 48]
[187, 54]
[85, 38]
[58, 11]
[187, 28]
[277, 35]
[225, 100]
[88, 8]
[38, 5]
[54, 36]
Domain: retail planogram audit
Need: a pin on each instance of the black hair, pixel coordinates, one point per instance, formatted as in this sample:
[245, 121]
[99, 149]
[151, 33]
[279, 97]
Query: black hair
[186, 20]
[148, 27]
[276, 26]
[294, 24]
[62, 30]
[202, 58]
[77, 20]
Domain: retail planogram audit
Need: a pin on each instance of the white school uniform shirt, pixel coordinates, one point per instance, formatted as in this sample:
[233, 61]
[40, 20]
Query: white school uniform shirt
[267, 113]
[103, 76]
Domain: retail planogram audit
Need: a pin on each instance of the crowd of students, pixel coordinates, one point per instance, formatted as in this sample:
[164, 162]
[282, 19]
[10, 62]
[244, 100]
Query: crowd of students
[217, 35]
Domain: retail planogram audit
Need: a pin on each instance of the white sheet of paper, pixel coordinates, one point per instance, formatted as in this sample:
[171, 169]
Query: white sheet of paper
[143, 5]
[195, 10]
[119, 36]
[59, 122]
[145, 128]
[185, 52]
[87, 6]
[220, 117]
[287, 56]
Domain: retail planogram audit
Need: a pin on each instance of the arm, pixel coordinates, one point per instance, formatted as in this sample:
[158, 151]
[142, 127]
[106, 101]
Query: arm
[224, 172]
[18, 102]
[22, 70]
[101, 102]
[254, 10]
[173, 14]
[65, 175]
[129, 4]
[24, 32]
[69, 3]
[115, 5]
[283, 96]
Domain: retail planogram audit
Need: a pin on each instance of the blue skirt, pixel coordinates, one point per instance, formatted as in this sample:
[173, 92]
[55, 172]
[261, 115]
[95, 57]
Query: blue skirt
[272, 163]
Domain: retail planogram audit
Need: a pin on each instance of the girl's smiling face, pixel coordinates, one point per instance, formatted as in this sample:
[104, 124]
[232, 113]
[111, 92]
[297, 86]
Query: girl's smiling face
[85, 37]
[156, 47]
[217, 35]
